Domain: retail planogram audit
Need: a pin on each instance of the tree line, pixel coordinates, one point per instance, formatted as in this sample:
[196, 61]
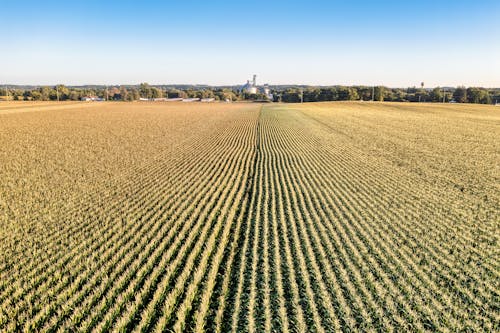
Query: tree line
[287, 94]
[381, 93]
[115, 93]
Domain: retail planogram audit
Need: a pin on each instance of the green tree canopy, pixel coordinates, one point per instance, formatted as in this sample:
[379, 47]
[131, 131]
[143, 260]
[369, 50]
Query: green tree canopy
[379, 93]
[436, 95]
[460, 95]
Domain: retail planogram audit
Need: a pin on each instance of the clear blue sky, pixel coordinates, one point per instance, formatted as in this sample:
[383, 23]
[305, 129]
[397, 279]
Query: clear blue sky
[394, 43]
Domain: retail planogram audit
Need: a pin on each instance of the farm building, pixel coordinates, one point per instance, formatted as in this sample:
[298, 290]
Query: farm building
[252, 88]
[92, 99]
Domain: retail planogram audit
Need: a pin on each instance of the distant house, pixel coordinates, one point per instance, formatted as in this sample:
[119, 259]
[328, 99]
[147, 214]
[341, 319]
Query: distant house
[92, 99]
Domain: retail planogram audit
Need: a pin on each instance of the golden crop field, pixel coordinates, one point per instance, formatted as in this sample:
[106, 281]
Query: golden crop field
[315, 217]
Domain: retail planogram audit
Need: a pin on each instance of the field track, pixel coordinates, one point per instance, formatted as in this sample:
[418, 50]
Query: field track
[288, 218]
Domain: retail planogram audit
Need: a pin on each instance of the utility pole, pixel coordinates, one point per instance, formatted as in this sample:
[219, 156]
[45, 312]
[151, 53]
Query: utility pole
[444, 95]
[107, 93]
[57, 92]
[373, 93]
[421, 91]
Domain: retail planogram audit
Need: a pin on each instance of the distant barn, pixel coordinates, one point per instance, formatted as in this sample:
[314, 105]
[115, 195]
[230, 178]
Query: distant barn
[92, 99]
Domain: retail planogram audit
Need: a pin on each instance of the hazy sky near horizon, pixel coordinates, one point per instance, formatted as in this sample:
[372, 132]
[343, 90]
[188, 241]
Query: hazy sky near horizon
[392, 43]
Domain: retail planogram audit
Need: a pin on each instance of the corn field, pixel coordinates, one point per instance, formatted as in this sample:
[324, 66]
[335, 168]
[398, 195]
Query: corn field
[321, 217]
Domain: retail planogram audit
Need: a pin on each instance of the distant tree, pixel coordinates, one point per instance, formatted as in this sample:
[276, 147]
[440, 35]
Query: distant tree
[411, 90]
[291, 96]
[179, 94]
[53, 95]
[225, 94]
[36, 95]
[436, 95]
[478, 95]
[27, 95]
[460, 95]
[447, 96]
[74, 95]
[114, 94]
[44, 93]
[422, 95]
[352, 94]
[473, 95]
[191, 93]
[207, 93]
[311, 95]
[176, 93]
[484, 96]
[328, 94]
[346, 93]
[123, 93]
[63, 92]
[133, 94]
[342, 93]
[17, 95]
[365, 93]
[155, 93]
[255, 97]
[389, 95]
[145, 90]
[379, 93]
[399, 95]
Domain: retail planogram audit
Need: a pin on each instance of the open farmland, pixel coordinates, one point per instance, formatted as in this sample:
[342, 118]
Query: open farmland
[241, 217]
